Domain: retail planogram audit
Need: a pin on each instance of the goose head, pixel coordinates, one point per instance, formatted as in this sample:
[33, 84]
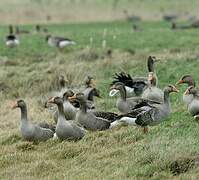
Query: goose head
[117, 87]
[170, 89]
[19, 104]
[150, 63]
[186, 79]
[62, 81]
[89, 81]
[55, 100]
[191, 90]
[48, 37]
[67, 94]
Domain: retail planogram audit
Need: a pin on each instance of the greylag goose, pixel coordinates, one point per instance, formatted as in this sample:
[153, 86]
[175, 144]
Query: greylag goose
[30, 131]
[148, 113]
[187, 79]
[135, 86]
[193, 106]
[65, 129]
[152, 92]
[59, 42]
[123, 103]
[89, 119]
[11, 39]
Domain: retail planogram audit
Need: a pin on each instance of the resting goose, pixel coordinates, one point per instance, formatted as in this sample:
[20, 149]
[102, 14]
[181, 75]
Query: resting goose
[59, 42]
[11, 40]
[148, 113]
[135, 86]
[152, 92]
[30, 131]
[193, 106]
[123, 103]
[66, 129]
[187, 79]
[89, 119]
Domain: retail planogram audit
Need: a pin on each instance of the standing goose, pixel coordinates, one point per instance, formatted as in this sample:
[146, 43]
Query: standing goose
[59, 42]
[30, 131]
[11, 40]
[152, 92]
[187, 79]
[89, 119]
[148, 113]
[193, 106]
[135, 86]
[65, 129]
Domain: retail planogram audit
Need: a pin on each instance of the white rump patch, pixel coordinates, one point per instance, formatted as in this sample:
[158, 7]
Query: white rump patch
[113, 92]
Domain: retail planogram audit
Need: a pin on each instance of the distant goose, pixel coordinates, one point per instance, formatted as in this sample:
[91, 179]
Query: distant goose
[59, 42]
[21, 31]
[11, 40]
[30, 131]
[39, 29]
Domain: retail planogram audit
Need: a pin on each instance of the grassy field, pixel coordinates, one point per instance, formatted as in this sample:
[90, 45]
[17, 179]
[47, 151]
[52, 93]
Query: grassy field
[168, 151]
[59, 11]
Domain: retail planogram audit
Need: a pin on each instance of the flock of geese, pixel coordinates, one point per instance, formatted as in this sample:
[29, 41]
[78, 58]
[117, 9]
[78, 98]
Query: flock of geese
[12, 39]
[140, 103]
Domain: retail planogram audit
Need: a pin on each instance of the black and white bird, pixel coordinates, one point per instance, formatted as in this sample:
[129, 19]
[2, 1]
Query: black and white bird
[11, 39]
[59, 42]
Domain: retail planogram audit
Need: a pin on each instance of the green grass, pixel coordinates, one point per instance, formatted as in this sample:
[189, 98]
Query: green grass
[168, 151]
[37, 11]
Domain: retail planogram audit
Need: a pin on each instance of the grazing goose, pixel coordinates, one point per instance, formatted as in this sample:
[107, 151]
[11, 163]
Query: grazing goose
[89, 119]
[187, 79]
[30, 131]
[152, 92]
[59, 42]
[66, 129]
[148, 113]
[11, 40]
[193, 106]
[135, 86]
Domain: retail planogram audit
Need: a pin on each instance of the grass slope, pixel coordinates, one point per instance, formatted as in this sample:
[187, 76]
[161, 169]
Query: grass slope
[170, 150]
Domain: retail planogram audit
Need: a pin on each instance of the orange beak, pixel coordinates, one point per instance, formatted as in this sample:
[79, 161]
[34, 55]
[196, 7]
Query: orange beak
[186, 92]
[14, 105]
[72, 98]
[51, 100]
[175, 90]
[180, 82]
